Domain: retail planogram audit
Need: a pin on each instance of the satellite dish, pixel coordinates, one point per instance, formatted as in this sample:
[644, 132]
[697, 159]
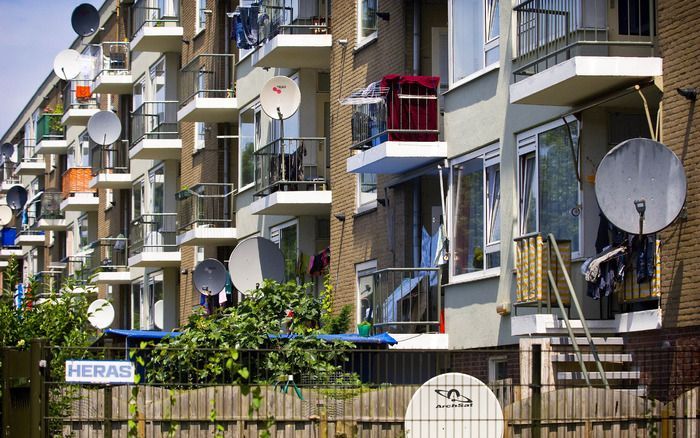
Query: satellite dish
[209, 277]
[104, 127]
[254, 260]
[5, 215]
[280, 97]
[85, 19]
[158, 314]
[7, 150]
[67, 64]
[451, 405]
[640, 177]
[101, 314]
[16, 197]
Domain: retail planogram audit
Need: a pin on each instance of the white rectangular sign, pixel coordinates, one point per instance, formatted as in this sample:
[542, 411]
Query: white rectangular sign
[100, 371]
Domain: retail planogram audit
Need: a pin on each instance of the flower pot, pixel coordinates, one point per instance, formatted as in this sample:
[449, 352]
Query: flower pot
[364, 330]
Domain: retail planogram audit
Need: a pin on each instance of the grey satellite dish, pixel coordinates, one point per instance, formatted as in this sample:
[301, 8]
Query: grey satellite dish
[104, 127]
[209, 277]
[640, 186]
[16, 197]
[67, 64]
[254, 260]
[85, 19]
[158, 314]
[5, 215]
[101, 314]
[280, 97]
[7, 150]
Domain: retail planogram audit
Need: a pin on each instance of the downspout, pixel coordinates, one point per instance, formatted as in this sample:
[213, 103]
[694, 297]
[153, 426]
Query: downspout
[416, 37]
[227, 129]
[416, 226]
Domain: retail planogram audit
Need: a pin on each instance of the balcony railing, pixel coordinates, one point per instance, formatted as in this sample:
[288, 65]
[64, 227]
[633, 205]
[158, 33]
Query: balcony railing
[406, 300]
[551, 31]
[153, 232]
[50, 205]
[291, 164]
[7, 168]
[395, 109]
[113, 158]
[112, 58]
[26, 152]
[205, 205]
[209, 76]
[154, 120]
[47, 283]
[76, 268]
[49, 127]
[76, 180]
[146, 13]
[108, 255]
[283, 19]
[78, 94]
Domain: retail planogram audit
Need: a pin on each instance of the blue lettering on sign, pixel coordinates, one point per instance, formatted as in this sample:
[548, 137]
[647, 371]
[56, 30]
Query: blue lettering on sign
[100, 371]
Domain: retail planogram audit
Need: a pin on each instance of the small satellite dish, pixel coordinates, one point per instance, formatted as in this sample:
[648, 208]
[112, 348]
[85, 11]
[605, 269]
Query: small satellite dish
[451, 405]
[158, 314]
[7, 150]
[16, 197]
[254, 260]
[85, 19]
[104, 127]
[280, 97]
[209, 277]
[5, 215]
[101, 314]
[640, 178]
[67, 64]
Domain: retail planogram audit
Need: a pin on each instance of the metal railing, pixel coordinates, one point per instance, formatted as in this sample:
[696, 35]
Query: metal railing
[76, 267]
[207, 75]
[153, 232]
[26, 151]
[78, 94]
[407, 300]
[112, 58]
[551, 31]
[47, 283]
[108, 254]
[7, 170]
[113, 158]
[49, 127]
[206, 205]
[291, 164]
[146, 13]
[154, 120]
[280, 19]
[50, 205]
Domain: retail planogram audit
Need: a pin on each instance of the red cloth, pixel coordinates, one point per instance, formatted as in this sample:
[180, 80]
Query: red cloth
[413, 114]
[82, 92]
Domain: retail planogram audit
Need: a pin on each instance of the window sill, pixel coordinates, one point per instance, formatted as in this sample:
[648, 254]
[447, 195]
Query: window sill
[477, 74]
[475, 276]
[197, 151]
[366, 42]
[364, 209]
[246, 187]
[198, 32]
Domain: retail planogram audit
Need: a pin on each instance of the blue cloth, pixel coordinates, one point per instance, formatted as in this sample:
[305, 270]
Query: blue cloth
[245, 26]
[140, 334]
[381, 339]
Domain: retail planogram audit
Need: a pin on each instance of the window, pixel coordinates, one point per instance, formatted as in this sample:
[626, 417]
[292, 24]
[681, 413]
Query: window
[136, 300]
[366, 190]
[285, 236]
[248, 141]
[475, 36]
[156, 177]
[155, 294]
[83, 237]
[366, 20]
[138, 92]
[365, 290]
[201, 21]
[200, 135]
[137, 190]
[547, 183]
[634, 17]
[476, 212]
[498, 369]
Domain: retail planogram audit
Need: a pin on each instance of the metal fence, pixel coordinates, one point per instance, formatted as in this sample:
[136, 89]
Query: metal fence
[207, 76]
[112, 58]
[50, 205]
[78, 94]
[149, 13]
[280, 18]
[206, 205]
[154, 120]
[108, 254]
[291, 164]
[113, 158]
[153, 232]
[26, 151]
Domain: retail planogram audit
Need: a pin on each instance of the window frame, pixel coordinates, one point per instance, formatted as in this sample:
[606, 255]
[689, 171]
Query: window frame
[200, 19]
[491, 157]
[257, 135]
[200, 135]
[363, 269]
[276, 237]
[487, 44]
[135, 323]
[371, 198]
[364, 40]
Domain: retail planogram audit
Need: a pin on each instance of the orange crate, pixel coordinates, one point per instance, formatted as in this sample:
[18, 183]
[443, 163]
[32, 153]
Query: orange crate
[77, 179]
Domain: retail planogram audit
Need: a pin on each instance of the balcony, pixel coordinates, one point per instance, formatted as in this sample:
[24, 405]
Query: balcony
[110, 166]
[9, 178]
[79, 103]
[293, 179]
[50, 216]
[113, 68]
[207, 91]
[395, 125]
[205, 215]
[571, 51]
[292, 40]
[50, 135]
[156, 27]
[8, 248]
[28, 235]
[48, 283]
[154, 132]
[108, 261]
[153, 241]
[28, 163]
[77, 194]
[75, 267]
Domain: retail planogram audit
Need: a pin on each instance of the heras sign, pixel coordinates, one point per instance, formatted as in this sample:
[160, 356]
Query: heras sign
[100, 371]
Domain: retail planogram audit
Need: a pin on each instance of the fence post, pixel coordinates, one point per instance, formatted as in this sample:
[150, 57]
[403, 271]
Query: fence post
[536, 387]
[37, 386]
[108, 394]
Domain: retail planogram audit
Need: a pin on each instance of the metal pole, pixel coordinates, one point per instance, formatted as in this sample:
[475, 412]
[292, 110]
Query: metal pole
[536, 386]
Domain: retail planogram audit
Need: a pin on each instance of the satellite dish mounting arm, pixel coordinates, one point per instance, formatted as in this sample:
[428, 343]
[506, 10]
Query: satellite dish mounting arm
[282, 151]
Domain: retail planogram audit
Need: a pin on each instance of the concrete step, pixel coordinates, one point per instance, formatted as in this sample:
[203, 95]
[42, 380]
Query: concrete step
[587, 357]
[594, 375]
[583, 341]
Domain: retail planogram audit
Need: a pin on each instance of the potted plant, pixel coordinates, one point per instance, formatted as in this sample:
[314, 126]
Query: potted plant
[364, 328]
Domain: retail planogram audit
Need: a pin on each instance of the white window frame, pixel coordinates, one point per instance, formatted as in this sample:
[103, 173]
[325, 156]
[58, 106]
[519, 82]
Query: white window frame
[493, 361]
[153, 177]
[361, 270]
[491, 156]
[275, 234]
[527, 142]
[140, 185]
[137, 98]
[79, 247]
[364, 40]
[488, 44]
[200, 22]
[364, 200]
[133, 304]
[200, 135]
[257, 134]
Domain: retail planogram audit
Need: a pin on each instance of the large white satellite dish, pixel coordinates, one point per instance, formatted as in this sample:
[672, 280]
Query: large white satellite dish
[67, 64]
[209, 277]
[254, 260]
[101, 313]
[158, 314]
[280, 97]
[5, 215]
[104, 127]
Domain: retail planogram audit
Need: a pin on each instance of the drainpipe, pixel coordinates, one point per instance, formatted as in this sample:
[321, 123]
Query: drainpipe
[416, 37]
[227, 129]
[416, 222]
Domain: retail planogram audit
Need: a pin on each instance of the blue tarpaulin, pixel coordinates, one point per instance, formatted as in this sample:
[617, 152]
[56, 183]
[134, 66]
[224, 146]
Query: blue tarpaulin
[381, 339]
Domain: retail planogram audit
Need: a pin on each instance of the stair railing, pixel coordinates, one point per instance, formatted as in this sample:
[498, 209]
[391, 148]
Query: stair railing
[584, 324]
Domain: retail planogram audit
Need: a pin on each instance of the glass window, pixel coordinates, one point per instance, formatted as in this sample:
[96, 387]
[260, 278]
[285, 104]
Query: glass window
[137, 199]
[157, 180]
[365, 290]
[549, 190]
[367, 188]
[139, 89]
[248, 133]
[155, 294]
[136, 300]
[200, 135]
[286, 237]
[83, 238]
[201, 22]
[476, 212]
[366, 19]
[475, 36]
